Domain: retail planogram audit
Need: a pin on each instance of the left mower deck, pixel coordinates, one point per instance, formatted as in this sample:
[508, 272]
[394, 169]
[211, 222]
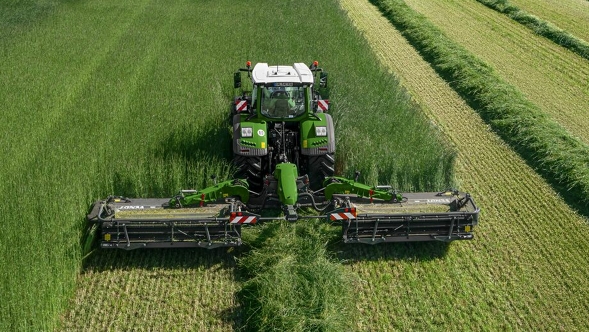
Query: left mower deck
[149, 223]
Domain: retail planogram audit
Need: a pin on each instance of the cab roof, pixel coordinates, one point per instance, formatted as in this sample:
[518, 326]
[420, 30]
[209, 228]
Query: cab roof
[263, 74]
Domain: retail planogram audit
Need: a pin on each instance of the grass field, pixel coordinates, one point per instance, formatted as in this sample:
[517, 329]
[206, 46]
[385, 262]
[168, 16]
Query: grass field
[103, 97]
[155, 290]
[549, 76]
[524, 271]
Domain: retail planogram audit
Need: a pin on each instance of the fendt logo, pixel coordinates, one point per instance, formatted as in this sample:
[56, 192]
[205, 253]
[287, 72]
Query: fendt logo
[439, 200]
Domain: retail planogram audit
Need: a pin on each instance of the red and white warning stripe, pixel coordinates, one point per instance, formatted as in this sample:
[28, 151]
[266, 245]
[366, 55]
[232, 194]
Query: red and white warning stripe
[240, 105]
[323, 104]
[342, 216]
[243, 220]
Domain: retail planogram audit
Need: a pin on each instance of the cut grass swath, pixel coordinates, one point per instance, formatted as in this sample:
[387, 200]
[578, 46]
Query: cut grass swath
[550, 76]
[526, 268]
[294, 283]
[540, 26]
[570, 15]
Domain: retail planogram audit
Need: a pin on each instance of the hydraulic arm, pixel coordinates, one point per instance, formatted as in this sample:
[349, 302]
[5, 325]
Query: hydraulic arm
[338, 185]
[233, 188]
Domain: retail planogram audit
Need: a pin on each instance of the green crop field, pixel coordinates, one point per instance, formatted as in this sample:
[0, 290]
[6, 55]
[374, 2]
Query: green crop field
[132, 98]
[542, 26]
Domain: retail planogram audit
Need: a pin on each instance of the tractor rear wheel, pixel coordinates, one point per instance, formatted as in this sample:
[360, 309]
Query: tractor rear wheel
[320, 167]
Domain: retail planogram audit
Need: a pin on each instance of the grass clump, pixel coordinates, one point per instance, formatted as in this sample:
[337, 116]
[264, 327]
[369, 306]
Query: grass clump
[554, 153]
[294, 283]
[540, 26]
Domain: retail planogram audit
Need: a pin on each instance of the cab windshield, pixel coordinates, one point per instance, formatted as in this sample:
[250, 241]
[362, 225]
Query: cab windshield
[283, 102]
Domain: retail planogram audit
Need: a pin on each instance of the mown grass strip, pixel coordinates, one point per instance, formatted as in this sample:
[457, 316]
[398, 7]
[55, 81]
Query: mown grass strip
[155, 290]
[549, 75]
[295, 283]
[561, 158]
[540, 26]
[517, 273]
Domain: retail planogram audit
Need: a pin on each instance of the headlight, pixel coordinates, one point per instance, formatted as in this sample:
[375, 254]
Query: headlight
[247, 132]
[321, 131]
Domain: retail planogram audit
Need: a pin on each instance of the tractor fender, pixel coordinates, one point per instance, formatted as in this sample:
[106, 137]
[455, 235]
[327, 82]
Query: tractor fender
[318, 135]
[250, 138]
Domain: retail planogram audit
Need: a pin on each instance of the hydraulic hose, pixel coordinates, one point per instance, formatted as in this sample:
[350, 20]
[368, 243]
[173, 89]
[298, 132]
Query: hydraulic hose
[315, 204]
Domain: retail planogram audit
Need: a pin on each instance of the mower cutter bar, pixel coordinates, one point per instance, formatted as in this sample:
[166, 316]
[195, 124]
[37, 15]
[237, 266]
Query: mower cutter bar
[444, 217]
[151, 223]
[125, 234]
[408, 228]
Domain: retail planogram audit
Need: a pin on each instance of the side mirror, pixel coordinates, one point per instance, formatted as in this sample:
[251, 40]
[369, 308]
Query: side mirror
[237, 80]
[323, 80]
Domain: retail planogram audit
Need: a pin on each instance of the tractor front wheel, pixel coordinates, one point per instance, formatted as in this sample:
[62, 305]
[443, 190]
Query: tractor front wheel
[250, 168]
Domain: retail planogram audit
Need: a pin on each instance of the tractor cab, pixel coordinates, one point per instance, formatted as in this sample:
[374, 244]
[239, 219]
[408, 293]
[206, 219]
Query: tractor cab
[279, 92]
[283, 102]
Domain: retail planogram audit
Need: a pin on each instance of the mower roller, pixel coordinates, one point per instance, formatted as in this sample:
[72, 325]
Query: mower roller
[284, 153]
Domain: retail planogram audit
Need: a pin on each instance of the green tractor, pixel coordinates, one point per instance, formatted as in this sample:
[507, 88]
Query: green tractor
[283, 119]
[284, 152]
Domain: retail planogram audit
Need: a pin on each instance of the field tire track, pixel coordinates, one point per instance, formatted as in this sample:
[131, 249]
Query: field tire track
[525, 269]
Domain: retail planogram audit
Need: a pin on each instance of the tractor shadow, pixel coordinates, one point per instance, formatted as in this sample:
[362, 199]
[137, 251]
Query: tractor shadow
[182, 150]
[102, 260]
[402, 251]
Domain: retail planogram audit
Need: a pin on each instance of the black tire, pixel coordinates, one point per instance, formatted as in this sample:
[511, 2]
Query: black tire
[250, 168]
[320, 167]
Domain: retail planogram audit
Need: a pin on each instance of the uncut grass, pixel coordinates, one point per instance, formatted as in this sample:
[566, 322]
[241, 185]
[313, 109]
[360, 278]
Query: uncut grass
[77, 149]
[105, 97]
[17, 15]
